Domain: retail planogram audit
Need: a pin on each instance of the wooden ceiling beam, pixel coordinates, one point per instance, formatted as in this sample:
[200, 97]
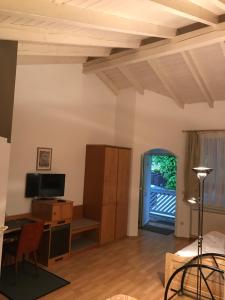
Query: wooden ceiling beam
[219, 3]
[189, 10]
[36, 35]
[60, 50]
[197, 75]
[108, 82]
[165, 81]
[196, 39]
[47, 60]
[85, 18]
[131, 78]
[222, 46]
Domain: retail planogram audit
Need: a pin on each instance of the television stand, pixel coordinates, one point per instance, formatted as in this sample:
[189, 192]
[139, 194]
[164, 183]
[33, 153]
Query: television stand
[43, 198]
[50, 199]
[54, 210]
[60, 200]
[55, 243]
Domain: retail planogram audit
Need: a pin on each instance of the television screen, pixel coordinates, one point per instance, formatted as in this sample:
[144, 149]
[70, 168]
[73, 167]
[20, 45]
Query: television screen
[45, 185]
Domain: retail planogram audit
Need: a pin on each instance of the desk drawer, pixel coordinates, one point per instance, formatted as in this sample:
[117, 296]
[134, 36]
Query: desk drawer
[56, 213]
[61, 212]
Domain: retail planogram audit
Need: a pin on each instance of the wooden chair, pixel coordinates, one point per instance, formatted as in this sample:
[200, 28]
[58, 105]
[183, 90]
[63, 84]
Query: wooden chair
[27, 244]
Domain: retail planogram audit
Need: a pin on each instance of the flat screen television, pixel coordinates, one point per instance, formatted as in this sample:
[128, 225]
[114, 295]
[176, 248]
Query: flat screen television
[44, 185]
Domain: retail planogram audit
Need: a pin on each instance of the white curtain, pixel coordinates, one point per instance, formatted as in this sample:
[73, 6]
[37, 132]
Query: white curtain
[212, 154]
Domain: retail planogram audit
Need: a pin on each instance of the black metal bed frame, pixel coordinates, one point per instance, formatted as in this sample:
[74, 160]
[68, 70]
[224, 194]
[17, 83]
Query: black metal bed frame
[190, 264]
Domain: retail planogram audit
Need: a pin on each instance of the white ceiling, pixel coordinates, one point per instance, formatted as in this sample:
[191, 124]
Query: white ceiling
[143, 10]
[189, 69]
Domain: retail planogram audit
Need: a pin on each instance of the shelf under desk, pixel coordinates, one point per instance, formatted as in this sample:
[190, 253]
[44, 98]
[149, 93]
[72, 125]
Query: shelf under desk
[81, 225]
[84, 234]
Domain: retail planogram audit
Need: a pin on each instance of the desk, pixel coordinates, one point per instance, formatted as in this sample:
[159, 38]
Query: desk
[55, 242]
[16, 224]
[11, 234]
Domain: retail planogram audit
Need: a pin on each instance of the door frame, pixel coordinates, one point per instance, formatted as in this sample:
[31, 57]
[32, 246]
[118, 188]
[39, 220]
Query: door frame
[141, 186]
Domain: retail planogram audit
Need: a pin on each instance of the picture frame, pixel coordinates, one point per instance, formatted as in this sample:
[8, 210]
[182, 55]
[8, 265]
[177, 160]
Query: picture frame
[44, 159]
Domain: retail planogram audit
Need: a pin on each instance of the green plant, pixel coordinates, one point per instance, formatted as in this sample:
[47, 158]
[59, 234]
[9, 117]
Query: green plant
[166, 165]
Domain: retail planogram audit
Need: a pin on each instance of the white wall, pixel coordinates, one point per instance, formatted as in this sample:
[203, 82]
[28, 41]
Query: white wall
[4, 172]
[56, 106]
[158, 123]
[211, 221]
[125, 114]
[4, 169]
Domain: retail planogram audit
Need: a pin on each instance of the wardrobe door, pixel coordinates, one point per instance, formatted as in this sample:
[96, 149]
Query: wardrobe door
[124, 161]
[109, 195]
[94, 181]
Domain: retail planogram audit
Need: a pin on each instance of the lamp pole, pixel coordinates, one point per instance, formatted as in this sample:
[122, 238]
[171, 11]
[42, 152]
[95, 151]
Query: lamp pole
[202, 173]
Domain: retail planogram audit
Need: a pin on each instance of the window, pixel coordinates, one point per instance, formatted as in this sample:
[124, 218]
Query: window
[212, 154]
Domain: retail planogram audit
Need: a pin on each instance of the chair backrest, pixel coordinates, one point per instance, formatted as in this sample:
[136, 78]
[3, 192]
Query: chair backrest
[30, 238]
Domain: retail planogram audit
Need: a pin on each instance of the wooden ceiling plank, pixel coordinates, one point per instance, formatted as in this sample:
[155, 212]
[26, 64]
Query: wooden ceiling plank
[219, 3]
[28, 34]
[222, 46]
[196, 39]
[188, 10]
[108, 82]
[60, 50]
[165, 81]
[192, 64]
[47, 60]
[86, 18]
[131, 78]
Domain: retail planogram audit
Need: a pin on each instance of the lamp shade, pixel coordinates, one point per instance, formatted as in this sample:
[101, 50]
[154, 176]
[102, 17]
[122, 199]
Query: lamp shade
[193, 200]
[202, 172]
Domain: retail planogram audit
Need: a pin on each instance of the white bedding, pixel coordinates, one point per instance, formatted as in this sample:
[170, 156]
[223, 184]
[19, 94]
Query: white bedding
[213, 241]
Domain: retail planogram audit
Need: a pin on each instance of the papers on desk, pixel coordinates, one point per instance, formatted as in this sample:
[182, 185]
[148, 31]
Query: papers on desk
[3, 228]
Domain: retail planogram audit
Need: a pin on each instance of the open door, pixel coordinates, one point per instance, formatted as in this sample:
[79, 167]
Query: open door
[4, 170]
[157, 206]
[145, 190]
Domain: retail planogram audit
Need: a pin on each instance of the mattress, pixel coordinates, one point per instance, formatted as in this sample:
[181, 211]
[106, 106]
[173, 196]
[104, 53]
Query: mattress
[213, 241]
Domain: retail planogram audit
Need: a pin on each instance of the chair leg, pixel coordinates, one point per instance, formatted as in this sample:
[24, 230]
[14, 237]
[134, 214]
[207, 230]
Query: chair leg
[16, 270]
[4, 258]
[35, 261]
[23, 262]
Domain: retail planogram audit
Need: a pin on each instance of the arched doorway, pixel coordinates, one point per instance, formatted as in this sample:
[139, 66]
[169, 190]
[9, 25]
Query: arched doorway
[157, 209]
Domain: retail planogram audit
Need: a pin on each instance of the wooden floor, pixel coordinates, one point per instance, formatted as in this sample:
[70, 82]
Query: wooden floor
[133, 267]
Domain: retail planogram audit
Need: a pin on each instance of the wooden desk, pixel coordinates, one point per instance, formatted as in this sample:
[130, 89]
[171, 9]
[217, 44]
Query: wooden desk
[57, 217]
[83, 234]
[46, 253]
[15, 225]
[19, 217]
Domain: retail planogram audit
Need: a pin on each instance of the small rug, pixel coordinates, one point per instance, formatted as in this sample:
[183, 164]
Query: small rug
[159, 230]
[121, 297]
[29, 285]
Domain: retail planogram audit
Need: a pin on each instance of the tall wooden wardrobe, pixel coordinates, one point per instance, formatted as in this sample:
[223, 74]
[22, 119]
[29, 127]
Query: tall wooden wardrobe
[106, 189]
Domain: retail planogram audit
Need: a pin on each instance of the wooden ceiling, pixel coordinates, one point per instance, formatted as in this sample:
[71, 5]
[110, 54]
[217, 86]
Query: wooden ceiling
[173, 47]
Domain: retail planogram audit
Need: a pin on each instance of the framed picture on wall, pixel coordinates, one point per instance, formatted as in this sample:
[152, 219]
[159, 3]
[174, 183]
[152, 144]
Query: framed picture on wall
[44, 158]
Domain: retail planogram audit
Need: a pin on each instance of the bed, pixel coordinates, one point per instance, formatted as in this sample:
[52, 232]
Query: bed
[213, 242]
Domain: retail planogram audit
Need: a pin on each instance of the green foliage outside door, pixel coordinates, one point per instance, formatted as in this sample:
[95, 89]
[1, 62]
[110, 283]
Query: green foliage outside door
[166, 165]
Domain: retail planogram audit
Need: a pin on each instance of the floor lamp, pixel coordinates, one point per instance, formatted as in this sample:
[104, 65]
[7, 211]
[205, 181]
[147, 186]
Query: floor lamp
[202, 173]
